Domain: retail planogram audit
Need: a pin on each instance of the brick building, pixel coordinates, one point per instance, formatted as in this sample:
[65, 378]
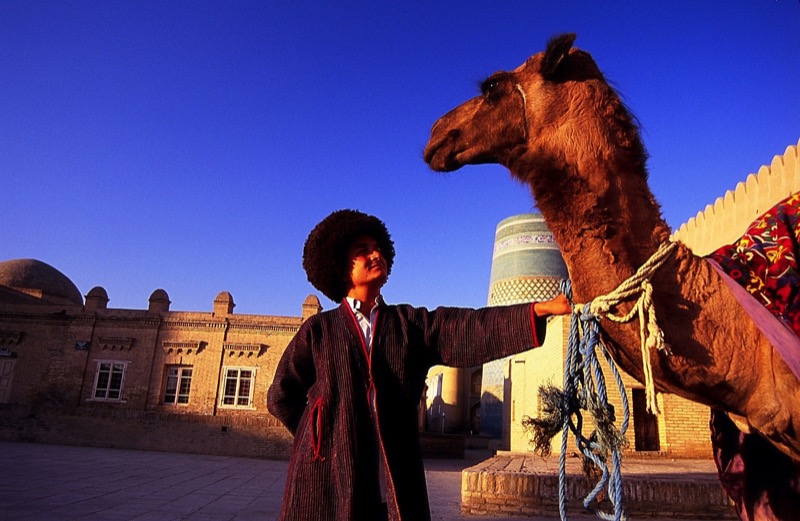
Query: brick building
[83, 373]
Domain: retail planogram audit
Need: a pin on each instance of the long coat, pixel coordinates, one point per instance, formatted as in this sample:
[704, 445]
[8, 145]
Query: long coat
[321, 389]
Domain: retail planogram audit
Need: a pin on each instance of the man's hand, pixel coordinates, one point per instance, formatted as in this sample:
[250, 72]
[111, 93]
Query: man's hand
[557, 306]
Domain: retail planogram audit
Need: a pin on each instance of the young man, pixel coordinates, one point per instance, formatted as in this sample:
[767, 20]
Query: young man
[349, 383]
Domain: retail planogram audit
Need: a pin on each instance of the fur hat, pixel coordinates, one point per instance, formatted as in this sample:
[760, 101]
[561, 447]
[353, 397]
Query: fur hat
[325, 251]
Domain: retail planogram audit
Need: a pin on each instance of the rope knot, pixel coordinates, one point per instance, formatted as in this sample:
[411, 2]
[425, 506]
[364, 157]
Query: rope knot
[585, 312]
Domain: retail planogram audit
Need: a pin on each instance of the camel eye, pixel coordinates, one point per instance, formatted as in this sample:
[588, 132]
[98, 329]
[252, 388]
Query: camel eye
[491, 88]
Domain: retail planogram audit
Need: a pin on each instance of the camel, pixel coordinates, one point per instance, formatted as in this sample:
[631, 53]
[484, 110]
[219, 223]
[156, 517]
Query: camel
[557, 126]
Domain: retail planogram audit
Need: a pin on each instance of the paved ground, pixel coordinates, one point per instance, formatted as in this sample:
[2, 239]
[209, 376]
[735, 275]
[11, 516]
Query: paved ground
[55, 483]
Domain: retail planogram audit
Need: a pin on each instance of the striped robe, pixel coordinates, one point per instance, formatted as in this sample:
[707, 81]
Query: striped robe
[320, 393]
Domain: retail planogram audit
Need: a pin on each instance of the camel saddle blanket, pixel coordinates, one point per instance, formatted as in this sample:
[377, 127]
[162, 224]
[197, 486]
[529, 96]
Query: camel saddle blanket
[762, 272]
[764, 260]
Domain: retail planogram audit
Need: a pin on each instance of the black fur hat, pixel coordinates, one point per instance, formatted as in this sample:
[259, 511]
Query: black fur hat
[325, 251]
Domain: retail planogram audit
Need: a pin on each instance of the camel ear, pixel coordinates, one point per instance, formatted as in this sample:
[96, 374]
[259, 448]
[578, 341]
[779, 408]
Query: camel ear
[557, 49]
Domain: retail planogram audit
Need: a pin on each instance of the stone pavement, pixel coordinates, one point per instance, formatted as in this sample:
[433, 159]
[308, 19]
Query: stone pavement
[55, 483]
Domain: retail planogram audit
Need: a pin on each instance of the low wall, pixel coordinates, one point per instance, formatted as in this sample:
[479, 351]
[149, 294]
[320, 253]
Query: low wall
[448, 446]
[519, 485]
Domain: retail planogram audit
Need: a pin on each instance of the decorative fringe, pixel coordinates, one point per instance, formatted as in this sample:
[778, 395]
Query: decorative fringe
[550, 422]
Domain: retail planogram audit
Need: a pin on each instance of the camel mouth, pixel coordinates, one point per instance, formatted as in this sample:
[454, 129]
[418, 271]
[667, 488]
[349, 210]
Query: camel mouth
[448, 153]
[450, 164]
[441, 161]
[455, 159]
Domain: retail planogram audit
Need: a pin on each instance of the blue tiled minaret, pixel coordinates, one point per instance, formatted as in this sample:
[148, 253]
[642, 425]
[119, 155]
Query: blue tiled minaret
[526, 267]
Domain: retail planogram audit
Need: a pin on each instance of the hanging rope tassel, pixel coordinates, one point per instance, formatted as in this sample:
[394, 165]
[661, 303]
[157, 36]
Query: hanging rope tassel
[585, 389]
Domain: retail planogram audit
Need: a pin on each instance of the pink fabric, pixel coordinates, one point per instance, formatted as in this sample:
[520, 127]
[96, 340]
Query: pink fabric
[783, 339]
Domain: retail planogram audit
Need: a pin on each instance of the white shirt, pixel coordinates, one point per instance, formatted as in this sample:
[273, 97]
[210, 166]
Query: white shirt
[367, 324]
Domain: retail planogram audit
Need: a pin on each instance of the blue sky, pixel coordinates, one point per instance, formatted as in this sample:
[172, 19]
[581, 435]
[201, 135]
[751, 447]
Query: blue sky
[191, 146]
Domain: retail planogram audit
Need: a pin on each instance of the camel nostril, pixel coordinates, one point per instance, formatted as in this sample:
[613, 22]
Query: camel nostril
[454, 133]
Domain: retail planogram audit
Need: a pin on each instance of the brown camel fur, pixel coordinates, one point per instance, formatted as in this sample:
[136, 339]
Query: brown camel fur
[558, 126]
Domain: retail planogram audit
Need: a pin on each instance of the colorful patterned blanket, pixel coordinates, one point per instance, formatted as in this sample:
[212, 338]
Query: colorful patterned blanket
[764, 261]
[763, 482]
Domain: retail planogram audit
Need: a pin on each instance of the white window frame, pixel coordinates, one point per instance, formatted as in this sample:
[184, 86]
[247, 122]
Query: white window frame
[237, 395]
[121, 389]
[180, 376]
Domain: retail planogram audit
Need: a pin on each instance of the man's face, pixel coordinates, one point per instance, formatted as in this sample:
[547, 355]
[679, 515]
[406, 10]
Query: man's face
[367, 265]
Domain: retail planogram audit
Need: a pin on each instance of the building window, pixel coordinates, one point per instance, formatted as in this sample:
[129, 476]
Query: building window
[179, 381]
[108, 380]
[238, 387]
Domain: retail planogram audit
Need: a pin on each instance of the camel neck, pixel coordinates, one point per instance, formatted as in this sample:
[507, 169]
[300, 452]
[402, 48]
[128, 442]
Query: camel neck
[604, 236]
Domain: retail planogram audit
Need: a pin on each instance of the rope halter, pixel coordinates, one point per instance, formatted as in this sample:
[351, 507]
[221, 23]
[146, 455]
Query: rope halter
[638, 286]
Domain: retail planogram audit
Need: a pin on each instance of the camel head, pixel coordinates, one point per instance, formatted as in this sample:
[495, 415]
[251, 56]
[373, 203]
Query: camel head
[561, 129]
[552, 115]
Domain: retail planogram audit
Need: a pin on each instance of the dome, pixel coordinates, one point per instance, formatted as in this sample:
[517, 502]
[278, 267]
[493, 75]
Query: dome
[158, 295]
[158, 301]
[312, 300]
[40, 280]
[311, 306]
[223, 304]
[224, 296]
[96, 299]
[98, 292]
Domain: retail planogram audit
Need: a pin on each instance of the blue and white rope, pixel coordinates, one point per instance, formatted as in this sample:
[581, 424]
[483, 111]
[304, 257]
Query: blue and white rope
[585, 386]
